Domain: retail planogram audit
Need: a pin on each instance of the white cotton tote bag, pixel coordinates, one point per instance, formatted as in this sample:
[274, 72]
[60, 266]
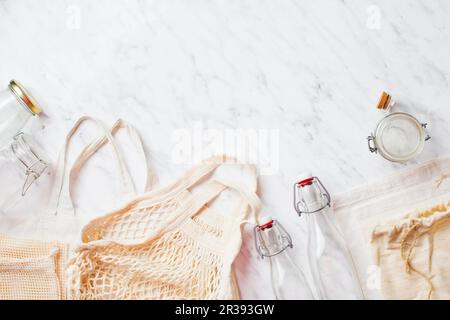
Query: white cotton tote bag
[390, 226]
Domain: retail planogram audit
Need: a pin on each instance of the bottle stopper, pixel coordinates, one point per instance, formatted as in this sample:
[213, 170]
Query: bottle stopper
[265, 222]
[305, 178]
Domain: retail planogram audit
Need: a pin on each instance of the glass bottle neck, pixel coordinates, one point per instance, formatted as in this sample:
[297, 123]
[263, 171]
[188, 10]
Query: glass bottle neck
[310, 197]
[272, 240]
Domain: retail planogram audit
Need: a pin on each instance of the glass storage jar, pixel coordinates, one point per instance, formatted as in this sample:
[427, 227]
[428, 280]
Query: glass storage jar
[399, 136]
[17, 106]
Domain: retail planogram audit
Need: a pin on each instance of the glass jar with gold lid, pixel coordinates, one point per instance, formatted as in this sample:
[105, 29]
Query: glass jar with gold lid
[17, 106]
[22, 161]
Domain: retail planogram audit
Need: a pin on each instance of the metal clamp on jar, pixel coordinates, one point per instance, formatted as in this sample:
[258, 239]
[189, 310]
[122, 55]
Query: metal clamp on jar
[399, 136]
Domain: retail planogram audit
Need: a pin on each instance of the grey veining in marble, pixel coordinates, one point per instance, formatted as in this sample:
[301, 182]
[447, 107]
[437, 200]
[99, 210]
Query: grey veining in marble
[306, 74]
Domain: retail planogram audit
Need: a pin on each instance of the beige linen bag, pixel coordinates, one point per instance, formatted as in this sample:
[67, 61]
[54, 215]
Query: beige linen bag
[398, 232]
[171, 243]
[414, 255]
[35, 269]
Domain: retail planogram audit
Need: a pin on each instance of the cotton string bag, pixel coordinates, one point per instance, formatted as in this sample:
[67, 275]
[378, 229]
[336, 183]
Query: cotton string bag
[171, 243]
[31, 269]
[61, 221]
[34, 269]
[397, 231]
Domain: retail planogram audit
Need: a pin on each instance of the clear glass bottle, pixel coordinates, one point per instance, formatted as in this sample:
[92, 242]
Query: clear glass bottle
[17, 106]
[288, 280]
[330, 261]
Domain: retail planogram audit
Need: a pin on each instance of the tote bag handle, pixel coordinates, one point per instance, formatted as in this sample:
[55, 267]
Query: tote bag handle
[61, 200]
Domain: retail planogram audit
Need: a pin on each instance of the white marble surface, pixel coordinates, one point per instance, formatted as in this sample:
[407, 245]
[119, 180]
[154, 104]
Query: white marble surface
[308, 73]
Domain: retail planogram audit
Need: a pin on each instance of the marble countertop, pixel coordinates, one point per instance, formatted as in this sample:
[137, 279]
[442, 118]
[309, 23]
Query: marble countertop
[298, 79]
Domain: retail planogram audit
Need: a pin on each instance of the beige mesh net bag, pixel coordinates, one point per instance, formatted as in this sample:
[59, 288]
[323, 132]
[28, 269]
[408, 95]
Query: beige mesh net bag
[177, 242]
[31, 269]
[35, 269]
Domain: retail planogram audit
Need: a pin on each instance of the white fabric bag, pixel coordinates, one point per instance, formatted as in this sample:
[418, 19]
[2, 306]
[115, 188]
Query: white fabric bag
[414, 254]
[385, 204]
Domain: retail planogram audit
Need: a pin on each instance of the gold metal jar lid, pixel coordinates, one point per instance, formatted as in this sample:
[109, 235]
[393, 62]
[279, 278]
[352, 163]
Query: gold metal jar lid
[24, 97]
